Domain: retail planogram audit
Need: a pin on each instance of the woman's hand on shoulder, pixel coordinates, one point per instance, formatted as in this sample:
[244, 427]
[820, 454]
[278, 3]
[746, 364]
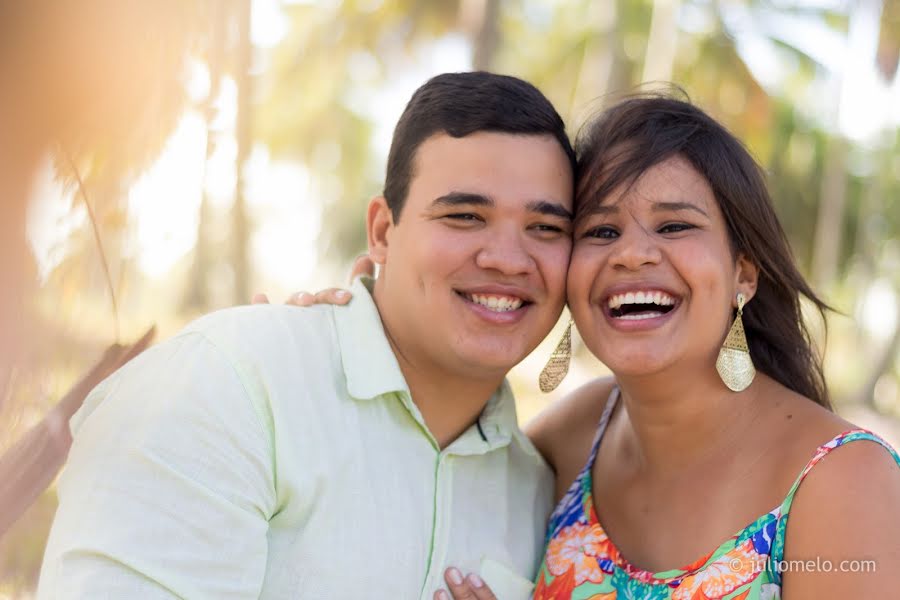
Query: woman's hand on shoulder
[843, 534]
[362, 266]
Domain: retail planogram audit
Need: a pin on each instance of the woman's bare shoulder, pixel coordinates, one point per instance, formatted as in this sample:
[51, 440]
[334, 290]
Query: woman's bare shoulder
[846, 511]
[564, 430]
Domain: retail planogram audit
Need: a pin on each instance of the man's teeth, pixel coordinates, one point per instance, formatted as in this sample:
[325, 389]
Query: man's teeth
[497, 303]
[658, 298]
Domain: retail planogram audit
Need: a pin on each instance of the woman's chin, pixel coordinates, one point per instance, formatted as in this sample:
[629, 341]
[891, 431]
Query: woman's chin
[639, 364]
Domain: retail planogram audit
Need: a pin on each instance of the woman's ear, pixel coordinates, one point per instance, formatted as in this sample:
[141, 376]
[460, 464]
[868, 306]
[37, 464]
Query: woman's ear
[746, 277]
[379, 222]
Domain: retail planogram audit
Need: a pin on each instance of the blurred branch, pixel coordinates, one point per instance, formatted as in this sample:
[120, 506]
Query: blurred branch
[32, 463]
[29, 467]
[93, 219]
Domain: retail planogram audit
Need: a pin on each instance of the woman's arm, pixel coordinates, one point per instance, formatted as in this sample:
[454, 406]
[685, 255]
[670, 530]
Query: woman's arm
[843, 533]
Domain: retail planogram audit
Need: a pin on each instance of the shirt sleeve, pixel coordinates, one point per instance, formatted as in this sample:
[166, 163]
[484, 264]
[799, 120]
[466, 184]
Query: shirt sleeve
[169, 486]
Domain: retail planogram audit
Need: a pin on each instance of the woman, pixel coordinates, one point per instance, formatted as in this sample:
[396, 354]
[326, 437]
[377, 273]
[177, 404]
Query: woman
[681, 476]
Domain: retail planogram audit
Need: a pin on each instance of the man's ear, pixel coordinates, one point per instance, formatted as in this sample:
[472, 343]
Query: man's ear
[379, 222]
[746, 276]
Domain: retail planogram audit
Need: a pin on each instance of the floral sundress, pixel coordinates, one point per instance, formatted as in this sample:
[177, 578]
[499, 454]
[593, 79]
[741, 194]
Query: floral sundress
[581, 562]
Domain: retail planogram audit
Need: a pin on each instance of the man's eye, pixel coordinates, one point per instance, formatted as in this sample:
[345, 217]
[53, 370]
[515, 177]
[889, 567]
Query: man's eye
[463, 217]
[675, 227]
[602, 232]
[548, 227]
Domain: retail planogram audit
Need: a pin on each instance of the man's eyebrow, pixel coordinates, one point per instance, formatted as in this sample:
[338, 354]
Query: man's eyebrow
[543, 207]
[546, 207]
[461, 198]
[676, 206]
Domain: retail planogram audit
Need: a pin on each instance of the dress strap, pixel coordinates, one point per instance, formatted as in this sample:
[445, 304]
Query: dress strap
[601, 426]
[822, 451]
[574, 498]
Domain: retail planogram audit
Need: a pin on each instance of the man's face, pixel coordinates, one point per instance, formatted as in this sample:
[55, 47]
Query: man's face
[473, 274]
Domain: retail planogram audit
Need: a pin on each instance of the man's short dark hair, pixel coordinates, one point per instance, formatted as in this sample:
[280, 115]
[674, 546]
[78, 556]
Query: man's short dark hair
[460, 104]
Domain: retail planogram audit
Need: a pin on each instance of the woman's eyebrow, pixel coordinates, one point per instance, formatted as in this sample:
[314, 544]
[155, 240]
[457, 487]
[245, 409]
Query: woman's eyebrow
[677, 206]
[602, 209]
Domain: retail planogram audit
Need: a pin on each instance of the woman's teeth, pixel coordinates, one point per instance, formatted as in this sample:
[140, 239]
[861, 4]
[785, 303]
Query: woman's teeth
[496, 303]
[658, 298]
[634, 306]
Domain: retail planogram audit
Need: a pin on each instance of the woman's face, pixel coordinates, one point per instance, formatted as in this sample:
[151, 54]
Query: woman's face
[653, 280]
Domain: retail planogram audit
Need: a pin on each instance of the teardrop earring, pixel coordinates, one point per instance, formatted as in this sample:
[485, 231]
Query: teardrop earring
[556, 368]
[734, 364]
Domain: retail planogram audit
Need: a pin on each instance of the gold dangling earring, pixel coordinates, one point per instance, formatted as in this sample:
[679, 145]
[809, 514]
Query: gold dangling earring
[556, 368]
[734, 364]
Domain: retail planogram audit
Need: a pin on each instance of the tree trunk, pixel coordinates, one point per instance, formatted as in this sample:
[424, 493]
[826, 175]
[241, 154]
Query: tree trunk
[480, 19]
[196, 298]
[882, 366]
[603, 66]
[240, 223]
[662, 41]
[829, 226]
[487, 38]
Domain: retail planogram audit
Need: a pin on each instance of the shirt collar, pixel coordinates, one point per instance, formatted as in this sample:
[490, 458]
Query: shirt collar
[496, 425]
[371, 370]
[369, 363]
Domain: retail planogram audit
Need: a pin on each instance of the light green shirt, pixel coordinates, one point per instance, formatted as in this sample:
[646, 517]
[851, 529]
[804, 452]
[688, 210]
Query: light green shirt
[274, 452]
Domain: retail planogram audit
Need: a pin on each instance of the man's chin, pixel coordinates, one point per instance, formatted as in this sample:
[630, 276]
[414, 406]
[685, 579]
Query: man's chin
[482, 363]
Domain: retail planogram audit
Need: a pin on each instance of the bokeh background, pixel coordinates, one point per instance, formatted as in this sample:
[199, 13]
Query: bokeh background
[249, 166]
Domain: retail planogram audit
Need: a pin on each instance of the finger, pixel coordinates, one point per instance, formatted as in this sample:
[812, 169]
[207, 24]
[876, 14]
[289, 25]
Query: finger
[301, 299]
[481, 589]
[459, 587]
[363, 265]
[333, 296]
[259, 299]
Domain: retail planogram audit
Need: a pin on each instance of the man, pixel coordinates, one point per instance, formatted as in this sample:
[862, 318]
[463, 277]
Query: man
[354, 451]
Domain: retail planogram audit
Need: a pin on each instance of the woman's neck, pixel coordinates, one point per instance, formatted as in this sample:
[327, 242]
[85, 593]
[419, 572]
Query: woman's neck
[679, 422]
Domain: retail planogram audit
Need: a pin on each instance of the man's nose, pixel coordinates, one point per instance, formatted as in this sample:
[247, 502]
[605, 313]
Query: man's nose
[506, 252]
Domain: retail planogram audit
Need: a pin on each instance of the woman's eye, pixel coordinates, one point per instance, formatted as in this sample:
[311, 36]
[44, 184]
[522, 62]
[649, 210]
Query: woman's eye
[602, 232]
[675, 227]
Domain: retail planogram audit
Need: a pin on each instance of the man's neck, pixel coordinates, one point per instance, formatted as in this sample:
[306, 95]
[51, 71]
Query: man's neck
[449, 405]
[450, 402]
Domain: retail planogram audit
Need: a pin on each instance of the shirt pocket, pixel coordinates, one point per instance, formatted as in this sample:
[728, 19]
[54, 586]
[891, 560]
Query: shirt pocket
[504, 581]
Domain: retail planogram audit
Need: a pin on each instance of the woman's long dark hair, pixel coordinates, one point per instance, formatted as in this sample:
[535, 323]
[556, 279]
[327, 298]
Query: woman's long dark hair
[629, 138]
